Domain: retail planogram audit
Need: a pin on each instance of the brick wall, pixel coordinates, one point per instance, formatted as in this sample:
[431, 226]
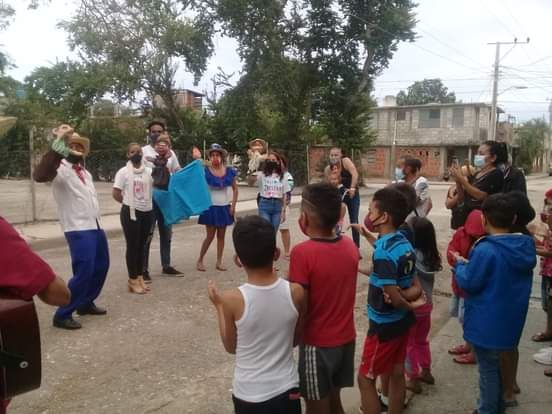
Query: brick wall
[318, 158]
[430, 157]
[373, 162]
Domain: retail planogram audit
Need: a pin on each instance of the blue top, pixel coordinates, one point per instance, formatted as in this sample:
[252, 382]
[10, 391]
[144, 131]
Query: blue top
[220, 182]
[498, 281]
[394, 265]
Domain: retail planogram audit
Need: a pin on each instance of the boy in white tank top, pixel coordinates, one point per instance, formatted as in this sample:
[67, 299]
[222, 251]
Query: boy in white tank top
[258, 323]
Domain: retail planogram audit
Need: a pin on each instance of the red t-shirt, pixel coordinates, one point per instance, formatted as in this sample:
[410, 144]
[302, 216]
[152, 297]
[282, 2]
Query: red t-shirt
[328, 270]
[22, 272]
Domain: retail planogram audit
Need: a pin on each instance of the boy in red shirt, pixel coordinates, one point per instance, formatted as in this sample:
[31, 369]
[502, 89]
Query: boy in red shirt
[326, 266]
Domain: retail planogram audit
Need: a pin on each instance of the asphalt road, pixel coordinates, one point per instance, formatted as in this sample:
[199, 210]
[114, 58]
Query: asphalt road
[161, 352]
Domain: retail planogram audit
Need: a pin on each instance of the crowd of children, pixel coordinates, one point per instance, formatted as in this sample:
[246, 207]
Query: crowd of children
[492, 256]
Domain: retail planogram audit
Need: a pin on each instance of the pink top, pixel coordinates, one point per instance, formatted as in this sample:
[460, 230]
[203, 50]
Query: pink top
[546, 262]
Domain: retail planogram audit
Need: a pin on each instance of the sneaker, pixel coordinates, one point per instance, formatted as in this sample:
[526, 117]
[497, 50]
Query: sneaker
[544, 358]
[68, 323]
[92, 310]
[171, 271]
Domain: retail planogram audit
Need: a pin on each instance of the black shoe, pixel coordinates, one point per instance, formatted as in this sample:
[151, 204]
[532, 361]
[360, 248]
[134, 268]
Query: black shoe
[68, 323]
[383, 406]
[92, 310]
[147, 277]
[171, 271]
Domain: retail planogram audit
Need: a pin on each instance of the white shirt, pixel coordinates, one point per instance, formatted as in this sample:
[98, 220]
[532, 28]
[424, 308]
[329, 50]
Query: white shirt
[77, 202]
[424, 200]
[273, 186]
[264, 352]
[142, 183]
[149, 152]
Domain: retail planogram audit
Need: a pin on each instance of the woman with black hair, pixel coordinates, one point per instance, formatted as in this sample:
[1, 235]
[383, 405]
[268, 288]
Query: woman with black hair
[272, 191]
[487, 181]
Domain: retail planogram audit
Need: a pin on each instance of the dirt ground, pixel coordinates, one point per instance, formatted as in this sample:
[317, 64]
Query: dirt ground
[161, 352]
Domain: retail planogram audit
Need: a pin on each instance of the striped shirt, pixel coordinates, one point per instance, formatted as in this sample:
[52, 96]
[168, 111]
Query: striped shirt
[394, 262]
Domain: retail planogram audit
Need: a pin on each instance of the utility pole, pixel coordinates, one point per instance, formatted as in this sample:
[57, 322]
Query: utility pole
[492, 126]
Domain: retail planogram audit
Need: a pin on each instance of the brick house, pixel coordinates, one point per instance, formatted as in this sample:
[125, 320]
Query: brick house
[185, 98]
[435, 133]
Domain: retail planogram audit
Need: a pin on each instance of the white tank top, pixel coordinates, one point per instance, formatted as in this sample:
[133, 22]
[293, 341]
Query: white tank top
[265, 366]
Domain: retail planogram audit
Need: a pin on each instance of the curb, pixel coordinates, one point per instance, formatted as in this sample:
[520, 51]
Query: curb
[59, 241]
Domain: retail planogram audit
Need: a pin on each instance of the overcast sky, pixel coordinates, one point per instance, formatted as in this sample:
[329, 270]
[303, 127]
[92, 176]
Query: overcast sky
[451, 45]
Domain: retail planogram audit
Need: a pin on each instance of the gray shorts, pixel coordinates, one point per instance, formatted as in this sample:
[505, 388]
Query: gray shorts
[323, 369]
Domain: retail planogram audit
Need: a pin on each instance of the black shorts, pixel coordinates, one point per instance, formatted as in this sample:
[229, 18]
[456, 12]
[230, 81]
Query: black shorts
[323, 369]
[288, 402]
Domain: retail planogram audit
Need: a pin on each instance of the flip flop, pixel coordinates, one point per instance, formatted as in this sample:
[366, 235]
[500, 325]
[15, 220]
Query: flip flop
[465, 359]
[460, 350]
[541, 337]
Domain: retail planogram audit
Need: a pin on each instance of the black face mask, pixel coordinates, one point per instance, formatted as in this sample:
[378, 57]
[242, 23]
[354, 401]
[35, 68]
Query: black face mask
[136, 158]
[74, 159]
[272, 165]
[153, 136]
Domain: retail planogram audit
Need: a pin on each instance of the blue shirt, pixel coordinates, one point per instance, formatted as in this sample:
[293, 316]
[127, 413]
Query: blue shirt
[394, 262]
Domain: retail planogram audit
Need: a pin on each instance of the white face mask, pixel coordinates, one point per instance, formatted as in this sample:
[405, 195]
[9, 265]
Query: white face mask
[334, 159]
[399, 174]
[479, 161]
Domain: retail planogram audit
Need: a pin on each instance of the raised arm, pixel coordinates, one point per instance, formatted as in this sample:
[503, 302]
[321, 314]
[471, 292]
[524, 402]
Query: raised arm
[46, 170]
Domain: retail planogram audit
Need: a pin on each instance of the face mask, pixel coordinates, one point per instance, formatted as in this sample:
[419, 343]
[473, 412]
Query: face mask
[74, 159]
[334, 160]
[153, 136]
[216, 162]
[271, 165]
[136, 158]
[371, 224]
[399, 174]
[479, 161]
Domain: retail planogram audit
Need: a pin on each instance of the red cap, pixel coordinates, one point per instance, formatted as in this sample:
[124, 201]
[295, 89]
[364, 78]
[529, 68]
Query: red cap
[548, 194]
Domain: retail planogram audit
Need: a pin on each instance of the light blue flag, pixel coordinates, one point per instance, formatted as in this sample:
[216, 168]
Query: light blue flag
[188, 194]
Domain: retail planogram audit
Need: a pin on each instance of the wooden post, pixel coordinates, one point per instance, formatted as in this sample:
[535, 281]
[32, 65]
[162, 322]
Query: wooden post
[31, 170]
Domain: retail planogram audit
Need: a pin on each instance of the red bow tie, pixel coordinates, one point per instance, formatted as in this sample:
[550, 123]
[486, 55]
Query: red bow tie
[80, 172]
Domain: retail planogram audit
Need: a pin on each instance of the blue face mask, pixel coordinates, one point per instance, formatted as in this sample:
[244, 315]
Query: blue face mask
[479, 161]
[399, 174]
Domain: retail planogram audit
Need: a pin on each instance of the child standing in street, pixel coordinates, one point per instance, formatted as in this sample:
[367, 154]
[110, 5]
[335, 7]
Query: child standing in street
[428, 261]
[392, 298]
[497, 279]
[327, 346]
[258, 323]
[461, 244]
[544, 249]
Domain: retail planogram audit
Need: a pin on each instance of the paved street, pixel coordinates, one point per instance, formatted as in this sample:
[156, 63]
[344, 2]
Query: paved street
[161, 352]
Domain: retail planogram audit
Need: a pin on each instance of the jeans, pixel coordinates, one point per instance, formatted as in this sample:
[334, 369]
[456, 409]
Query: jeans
[90, 263]
[490, 384]
[353, 207]
[271, 209]
[136, 235]
[165, 235]
[418, 354]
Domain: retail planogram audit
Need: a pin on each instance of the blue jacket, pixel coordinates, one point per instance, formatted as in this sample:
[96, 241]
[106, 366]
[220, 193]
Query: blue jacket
[498, 280]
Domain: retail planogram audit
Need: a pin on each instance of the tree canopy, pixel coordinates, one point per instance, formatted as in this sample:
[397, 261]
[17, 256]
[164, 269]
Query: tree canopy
[426, 91]
[531, 138]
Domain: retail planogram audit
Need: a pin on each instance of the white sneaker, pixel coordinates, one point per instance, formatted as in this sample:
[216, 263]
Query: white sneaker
[544, 350]
[544, 358]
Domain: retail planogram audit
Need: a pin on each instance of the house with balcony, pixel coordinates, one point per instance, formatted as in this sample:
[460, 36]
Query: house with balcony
[435, 133]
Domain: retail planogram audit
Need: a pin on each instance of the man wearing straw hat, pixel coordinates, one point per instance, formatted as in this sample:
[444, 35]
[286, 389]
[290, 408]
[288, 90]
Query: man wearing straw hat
[79, 216]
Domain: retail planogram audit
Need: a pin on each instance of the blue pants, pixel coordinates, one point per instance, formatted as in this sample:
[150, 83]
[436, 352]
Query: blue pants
[90, 262]
[271, 209]
[165, 236]
[490, 383]
[353, 207]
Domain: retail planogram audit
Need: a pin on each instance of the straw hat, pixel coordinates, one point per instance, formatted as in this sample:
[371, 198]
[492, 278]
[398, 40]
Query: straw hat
[77, 139]
[63, 130]
[259, 141]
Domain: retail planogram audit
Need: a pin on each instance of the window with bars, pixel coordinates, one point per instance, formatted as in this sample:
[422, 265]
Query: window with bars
[430, 118]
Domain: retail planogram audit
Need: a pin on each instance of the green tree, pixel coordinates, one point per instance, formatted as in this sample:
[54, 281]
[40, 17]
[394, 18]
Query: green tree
[333, 48]
[140, 44]
[426, 91]
[67, 89]
[531, 137]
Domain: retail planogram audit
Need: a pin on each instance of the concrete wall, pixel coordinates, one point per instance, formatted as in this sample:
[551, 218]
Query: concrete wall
[409, 133]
